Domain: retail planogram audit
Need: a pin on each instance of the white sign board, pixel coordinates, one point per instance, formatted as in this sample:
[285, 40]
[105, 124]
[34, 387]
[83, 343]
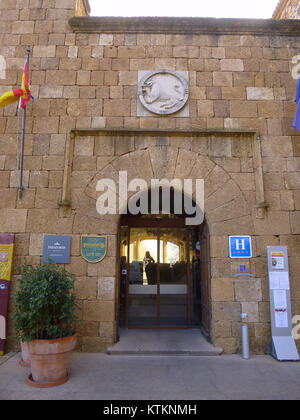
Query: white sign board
[283, 346]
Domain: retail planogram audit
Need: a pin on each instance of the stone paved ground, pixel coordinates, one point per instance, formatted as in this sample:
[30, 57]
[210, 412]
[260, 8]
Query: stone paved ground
[7, 356]
[103, 377]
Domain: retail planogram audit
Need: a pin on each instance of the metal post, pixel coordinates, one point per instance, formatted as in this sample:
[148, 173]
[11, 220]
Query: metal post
[21, 188]
[245, 339]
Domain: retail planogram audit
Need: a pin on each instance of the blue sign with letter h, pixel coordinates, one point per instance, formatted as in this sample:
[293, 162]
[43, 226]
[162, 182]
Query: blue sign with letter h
[240, 247]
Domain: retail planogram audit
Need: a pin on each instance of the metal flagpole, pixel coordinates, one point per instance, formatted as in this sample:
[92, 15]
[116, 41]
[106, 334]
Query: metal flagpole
[21, 188]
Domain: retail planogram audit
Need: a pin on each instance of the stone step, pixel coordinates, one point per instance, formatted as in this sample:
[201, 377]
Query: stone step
[190, 342]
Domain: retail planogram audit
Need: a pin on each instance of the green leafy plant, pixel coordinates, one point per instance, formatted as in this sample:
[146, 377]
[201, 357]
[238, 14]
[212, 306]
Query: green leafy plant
[45, 303]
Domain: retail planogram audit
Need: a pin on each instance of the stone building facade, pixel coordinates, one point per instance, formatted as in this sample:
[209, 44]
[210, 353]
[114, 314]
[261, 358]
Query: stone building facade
[287, 9]
[85, 125]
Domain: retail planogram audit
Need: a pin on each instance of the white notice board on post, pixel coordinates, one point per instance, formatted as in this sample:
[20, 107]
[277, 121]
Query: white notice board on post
[283, 345]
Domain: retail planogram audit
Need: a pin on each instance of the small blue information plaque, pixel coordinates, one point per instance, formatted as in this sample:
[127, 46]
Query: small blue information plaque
[242, 268]
[57, 248]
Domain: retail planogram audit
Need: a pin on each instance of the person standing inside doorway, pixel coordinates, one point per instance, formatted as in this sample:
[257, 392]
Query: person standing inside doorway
[149, 268]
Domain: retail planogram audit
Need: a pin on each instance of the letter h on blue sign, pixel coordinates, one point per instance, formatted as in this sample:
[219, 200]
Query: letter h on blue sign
[240, 247]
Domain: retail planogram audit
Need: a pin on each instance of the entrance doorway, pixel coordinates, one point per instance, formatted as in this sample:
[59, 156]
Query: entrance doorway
[158, 291]
[164, 273]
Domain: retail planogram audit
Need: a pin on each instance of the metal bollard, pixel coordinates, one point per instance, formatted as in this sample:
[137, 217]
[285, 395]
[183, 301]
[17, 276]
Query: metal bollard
[245, 339]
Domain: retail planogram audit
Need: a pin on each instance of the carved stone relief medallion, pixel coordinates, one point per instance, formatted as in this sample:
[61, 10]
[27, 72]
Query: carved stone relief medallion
[163, 92]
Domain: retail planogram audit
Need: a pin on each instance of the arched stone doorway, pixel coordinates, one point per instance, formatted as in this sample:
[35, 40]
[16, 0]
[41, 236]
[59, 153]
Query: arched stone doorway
[228, 210]
[164, 276]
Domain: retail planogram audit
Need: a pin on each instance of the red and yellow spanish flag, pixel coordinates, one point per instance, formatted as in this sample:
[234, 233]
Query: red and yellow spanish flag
[23, 94]
[25, 87]
[10, 97]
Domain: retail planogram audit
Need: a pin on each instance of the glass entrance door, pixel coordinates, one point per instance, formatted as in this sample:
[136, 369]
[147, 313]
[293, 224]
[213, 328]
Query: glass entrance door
[142, 295]
[157, 277]
[174, 278]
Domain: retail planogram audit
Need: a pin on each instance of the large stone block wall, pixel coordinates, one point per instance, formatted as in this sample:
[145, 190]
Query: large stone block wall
[238, 82]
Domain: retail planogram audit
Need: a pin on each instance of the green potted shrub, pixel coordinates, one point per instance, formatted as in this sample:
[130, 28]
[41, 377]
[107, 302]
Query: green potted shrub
[44, 317]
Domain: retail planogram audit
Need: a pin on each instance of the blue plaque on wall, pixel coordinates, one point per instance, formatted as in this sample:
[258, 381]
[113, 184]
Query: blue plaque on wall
[240, 247]
[57, 248]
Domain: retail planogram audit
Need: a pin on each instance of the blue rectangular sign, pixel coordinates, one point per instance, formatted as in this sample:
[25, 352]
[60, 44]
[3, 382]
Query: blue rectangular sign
[240, 247]
[57, 248]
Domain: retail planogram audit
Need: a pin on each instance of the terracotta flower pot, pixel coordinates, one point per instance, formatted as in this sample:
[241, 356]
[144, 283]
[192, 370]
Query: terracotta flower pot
[25, 361]
[50, 361]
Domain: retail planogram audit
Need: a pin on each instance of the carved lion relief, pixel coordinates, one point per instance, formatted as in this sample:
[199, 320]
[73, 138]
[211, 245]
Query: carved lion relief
[163, 92]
